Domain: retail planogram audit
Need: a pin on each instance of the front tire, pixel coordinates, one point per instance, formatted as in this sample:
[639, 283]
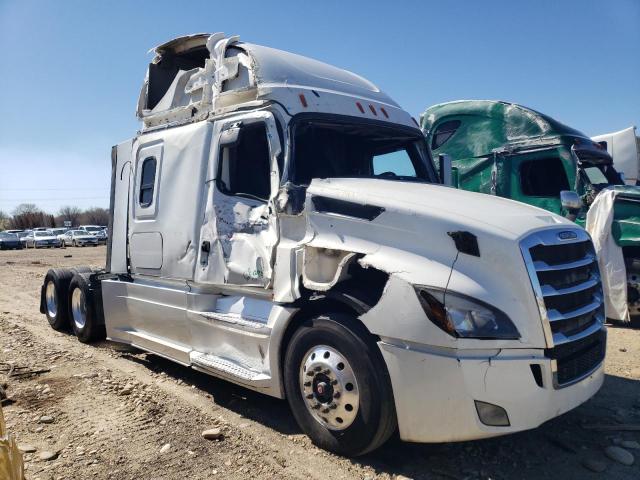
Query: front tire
[338, 386]
[82, 312]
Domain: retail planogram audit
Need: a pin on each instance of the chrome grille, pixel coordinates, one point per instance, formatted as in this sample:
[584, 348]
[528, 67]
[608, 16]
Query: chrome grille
[564, 273]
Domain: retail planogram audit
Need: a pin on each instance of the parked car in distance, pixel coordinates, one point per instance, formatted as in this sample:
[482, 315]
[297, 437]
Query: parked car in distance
[59, 232]
[42, 238]
[9, 241]
[96, 230]
[79, 238]
[22, 235]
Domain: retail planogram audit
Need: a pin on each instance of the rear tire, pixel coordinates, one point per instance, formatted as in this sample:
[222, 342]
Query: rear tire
[82, 310]
[56, 306]
[338, 386]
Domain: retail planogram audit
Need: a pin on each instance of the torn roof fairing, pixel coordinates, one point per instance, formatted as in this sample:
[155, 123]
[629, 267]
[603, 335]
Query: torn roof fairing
[235, 73]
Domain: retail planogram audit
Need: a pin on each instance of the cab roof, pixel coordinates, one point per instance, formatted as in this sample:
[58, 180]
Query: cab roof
[202, 74]
[499, 125]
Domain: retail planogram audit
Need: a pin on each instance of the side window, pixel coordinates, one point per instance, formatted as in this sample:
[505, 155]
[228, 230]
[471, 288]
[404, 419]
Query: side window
[147, 181]
[444, 132]
[543, 177]
[245, 167]
[396, 163]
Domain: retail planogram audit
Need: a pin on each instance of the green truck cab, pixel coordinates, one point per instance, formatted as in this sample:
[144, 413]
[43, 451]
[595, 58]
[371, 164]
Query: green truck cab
[512, 151]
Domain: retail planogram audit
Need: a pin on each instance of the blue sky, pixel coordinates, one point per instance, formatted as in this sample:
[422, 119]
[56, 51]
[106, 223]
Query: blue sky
[72, 70]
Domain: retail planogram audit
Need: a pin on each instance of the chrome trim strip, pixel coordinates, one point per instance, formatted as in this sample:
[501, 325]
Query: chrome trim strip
[555, 316]
[561, 338]
[550, 291]
[541, 266]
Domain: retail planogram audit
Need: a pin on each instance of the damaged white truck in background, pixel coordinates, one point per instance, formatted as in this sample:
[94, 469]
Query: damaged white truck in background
[278, 222]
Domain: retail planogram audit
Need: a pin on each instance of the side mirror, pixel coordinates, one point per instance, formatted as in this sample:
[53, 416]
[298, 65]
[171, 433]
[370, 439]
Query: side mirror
[445, 166]
[230, 136]
[570, 200]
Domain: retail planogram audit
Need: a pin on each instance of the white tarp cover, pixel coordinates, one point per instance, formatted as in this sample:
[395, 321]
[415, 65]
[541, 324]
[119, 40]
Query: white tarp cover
[610, 259]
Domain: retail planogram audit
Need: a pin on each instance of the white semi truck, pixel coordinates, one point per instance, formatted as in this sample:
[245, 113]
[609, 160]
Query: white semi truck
[624, 147]
[278, 222]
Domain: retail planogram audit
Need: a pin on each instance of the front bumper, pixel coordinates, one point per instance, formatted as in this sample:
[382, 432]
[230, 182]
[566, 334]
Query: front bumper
[435, 390]
[87, 242]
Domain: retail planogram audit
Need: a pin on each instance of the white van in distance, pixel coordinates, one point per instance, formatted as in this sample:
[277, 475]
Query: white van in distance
[278, 222]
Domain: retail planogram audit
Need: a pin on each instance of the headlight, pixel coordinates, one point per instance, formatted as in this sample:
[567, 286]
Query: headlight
[466, 317]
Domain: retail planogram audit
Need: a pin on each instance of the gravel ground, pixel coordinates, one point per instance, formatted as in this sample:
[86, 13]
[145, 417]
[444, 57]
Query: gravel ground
[105, 412]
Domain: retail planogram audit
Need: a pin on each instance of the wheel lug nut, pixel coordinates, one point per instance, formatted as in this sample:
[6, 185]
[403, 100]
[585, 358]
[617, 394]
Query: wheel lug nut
[309, 396]
[318, 368]
[327, 372]
[334, 382]
[311, 373]
[333, 406]
[336, 395]
[326, 410]
[307, 384]
[316, 406]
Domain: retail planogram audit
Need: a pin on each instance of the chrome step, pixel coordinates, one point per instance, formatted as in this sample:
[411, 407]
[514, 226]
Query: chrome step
[226, 368]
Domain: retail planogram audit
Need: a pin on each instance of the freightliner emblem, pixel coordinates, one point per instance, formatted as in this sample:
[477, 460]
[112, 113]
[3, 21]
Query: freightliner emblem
[567, 235]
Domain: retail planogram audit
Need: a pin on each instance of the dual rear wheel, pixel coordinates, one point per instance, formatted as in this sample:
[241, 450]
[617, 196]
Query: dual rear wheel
[68, 302]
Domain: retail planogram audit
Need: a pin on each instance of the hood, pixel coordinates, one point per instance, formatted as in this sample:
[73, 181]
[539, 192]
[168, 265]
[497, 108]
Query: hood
[475, 211]
[411, 231]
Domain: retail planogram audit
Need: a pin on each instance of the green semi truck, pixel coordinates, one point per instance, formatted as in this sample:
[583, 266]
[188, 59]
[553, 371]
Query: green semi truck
[508, 150]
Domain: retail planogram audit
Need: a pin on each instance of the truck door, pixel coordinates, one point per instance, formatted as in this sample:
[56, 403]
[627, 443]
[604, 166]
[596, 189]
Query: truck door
[239, 233]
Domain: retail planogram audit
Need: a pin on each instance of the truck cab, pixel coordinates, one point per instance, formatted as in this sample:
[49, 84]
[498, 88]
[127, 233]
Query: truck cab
[511, 151]
[278, 222]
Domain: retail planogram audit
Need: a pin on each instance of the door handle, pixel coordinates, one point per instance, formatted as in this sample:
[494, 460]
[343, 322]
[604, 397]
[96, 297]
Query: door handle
[205, 248]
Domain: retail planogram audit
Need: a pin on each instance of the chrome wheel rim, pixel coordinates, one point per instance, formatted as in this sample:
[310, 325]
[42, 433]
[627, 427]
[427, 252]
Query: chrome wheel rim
[78, 308]
[51, 299]
[329, 387]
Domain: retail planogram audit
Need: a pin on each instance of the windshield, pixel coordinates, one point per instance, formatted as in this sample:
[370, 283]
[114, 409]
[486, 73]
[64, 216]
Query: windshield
[43, 234]
[600, 176]
[92, 229]
[333, 149]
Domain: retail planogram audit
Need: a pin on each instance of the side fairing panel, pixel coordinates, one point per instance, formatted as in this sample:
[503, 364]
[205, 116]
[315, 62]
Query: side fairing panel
[120, 176]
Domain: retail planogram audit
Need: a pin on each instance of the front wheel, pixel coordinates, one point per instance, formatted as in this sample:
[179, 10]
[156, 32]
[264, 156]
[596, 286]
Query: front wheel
[337, 385]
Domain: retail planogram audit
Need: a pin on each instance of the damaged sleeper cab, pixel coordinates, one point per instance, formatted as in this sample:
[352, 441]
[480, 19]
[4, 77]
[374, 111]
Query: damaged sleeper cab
[278, 223]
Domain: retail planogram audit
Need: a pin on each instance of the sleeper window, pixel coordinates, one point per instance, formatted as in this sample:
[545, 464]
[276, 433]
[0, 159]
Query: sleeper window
[543, 178]
[245, 167]
[147, 181]
[444, 132]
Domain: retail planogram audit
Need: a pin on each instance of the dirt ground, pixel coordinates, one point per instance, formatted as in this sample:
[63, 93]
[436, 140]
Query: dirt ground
[100, 411]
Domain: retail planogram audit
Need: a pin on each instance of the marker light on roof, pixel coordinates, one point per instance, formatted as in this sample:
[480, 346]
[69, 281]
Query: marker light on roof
[360, 107]
[303, 100]
[373, 110]
[384, 112]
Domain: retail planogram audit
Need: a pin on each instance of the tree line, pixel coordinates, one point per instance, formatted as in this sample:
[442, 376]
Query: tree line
[28, 215]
